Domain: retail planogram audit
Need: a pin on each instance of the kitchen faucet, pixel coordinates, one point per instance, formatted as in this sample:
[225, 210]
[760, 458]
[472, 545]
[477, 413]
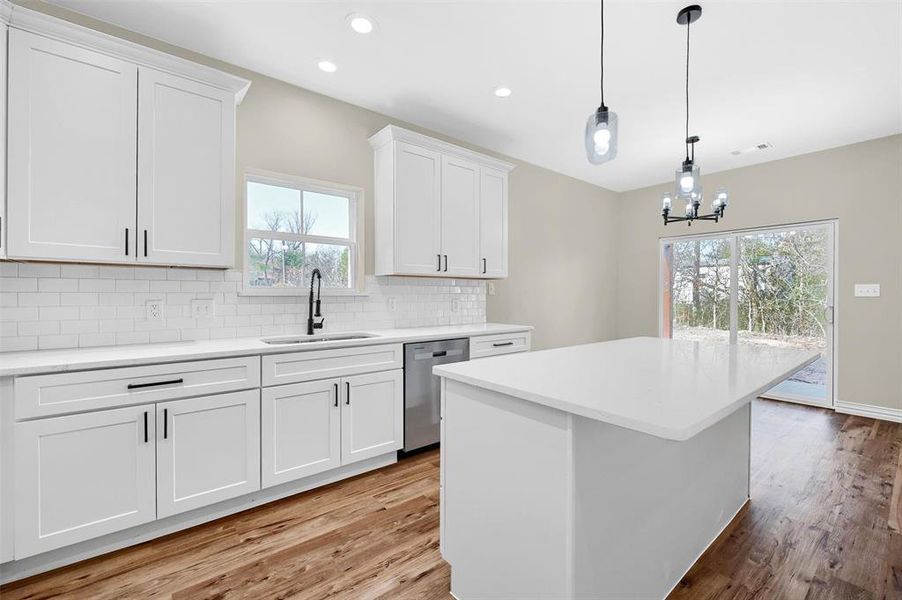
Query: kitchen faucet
[311, 325]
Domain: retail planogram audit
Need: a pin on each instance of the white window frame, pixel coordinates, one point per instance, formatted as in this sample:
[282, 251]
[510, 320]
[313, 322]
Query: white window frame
[355, 196]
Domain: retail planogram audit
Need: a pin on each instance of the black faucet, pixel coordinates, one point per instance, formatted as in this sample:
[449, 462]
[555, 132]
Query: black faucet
[311, 325]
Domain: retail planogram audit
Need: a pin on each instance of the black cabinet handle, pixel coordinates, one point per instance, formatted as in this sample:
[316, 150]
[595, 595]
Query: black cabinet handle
[145, 242]
[439, 267]
[135, 386]
[145, 427]
[126, 241]
[483, 266]
[446, 263]
[336, 394]
[165, 423]
[347, 393]
[499, 344]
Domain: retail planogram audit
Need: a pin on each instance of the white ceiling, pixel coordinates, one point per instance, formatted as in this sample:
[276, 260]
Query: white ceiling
[802, 75]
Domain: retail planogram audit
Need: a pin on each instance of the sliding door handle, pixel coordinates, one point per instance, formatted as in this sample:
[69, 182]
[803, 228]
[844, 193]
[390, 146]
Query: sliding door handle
[828, 313]
[336, 394]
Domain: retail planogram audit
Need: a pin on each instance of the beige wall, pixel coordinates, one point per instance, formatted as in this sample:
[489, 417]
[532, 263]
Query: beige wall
[561, 269]
[861, 186]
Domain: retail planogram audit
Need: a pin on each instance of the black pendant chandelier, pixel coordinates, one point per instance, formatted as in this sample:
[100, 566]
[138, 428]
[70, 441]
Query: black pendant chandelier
[688, 188]
[601, 127]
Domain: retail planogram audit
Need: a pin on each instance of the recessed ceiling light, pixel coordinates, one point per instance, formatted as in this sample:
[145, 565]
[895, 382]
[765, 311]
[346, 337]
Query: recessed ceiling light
[327, 66]
[360, 23]
[503, 92]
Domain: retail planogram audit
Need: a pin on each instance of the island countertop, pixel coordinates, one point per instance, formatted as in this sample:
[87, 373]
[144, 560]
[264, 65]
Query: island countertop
[671, 389]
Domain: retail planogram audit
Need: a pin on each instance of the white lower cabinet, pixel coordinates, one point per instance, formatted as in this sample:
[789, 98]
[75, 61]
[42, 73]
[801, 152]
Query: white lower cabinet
[301, 430]
[208, 450]
[82, 476]
[316, 426]
[372, 415]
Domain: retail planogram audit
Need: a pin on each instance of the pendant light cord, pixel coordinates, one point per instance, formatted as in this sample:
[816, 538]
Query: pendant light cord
[601, 57]
[688, 23]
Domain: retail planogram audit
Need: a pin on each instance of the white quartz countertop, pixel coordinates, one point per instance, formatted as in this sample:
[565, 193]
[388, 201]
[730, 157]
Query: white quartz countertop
[57, 361]
[671, 389]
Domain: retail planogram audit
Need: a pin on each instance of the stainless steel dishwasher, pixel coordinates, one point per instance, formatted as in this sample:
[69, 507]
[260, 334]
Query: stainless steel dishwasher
[422, 391]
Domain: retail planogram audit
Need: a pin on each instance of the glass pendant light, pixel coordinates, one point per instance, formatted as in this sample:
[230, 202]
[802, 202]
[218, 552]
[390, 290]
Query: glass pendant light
[601, 127]
[687, 180]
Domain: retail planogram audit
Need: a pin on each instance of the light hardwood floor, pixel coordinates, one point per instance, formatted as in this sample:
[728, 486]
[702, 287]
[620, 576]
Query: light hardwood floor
[824, 522]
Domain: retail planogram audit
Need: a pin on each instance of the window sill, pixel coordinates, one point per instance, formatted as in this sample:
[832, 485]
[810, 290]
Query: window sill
[325, 293]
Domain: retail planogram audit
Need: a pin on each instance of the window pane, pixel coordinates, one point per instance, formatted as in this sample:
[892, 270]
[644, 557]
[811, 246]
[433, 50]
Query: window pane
[282, 264]
[783, 288]
[327, 215]
[275, 264]
[332, 261]
[700, 292]
[273, 208]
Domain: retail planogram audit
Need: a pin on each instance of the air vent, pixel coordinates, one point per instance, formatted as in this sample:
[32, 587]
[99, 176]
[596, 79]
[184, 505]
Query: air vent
[756, 148]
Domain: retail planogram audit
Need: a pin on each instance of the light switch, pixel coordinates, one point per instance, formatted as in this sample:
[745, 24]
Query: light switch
[867, 290]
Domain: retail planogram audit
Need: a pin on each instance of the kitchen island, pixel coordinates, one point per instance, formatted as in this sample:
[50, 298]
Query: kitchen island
[596, 471]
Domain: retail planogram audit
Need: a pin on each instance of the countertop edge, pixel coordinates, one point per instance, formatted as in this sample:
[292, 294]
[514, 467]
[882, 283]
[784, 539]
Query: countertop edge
[170, 353]
[669, 433]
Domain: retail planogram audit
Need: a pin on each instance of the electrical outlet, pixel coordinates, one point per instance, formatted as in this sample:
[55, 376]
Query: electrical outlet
[202, 308]
[867, 290]
[154, 310]
[392, 304]
[455, 305]
[491, 288]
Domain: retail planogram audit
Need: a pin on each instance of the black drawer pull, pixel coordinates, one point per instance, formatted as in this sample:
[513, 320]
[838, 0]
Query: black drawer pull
[145, 242]
[499, 344]
[126, 241]
[439, 262]
[347, 393]
[145, 427]
[483, 266]
[165, 423]
[336, 393]
[135, 386]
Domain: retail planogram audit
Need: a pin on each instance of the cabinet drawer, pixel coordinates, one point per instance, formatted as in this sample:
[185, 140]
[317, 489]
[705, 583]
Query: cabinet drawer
[493, 345]
[44, 395]
[323, 364]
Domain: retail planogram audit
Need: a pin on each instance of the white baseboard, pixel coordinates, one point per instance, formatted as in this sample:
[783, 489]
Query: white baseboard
[869, 410]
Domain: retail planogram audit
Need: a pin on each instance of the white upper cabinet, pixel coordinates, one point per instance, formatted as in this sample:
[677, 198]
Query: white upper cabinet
[493, 223]
[4, 34]
[186, 171]
[417, 210]
[460, 217]
[116, 153]
[71, 152]
[431, 217]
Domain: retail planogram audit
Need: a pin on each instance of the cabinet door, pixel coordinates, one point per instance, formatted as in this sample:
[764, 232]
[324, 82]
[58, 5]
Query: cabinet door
[460, 218]
[301, 430]
[186, 172]
[493, 223]
[71, 179]
[208, 450]
[417, 210]
[82, 476]
[372, 415]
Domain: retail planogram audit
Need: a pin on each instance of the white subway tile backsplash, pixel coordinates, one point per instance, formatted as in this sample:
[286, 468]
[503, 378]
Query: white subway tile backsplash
[59, 306]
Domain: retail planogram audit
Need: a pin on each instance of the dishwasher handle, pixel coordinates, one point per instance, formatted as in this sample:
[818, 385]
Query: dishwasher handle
[428, 355]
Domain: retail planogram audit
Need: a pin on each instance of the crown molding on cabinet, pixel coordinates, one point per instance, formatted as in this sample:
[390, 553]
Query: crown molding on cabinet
[6, 9]
[391, 133]
[52, 27]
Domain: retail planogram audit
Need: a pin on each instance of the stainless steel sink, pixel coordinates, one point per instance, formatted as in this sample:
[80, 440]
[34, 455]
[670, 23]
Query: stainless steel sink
[307, 339]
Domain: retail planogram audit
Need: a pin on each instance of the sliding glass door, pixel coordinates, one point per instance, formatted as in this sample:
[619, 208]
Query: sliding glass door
[768, 287]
